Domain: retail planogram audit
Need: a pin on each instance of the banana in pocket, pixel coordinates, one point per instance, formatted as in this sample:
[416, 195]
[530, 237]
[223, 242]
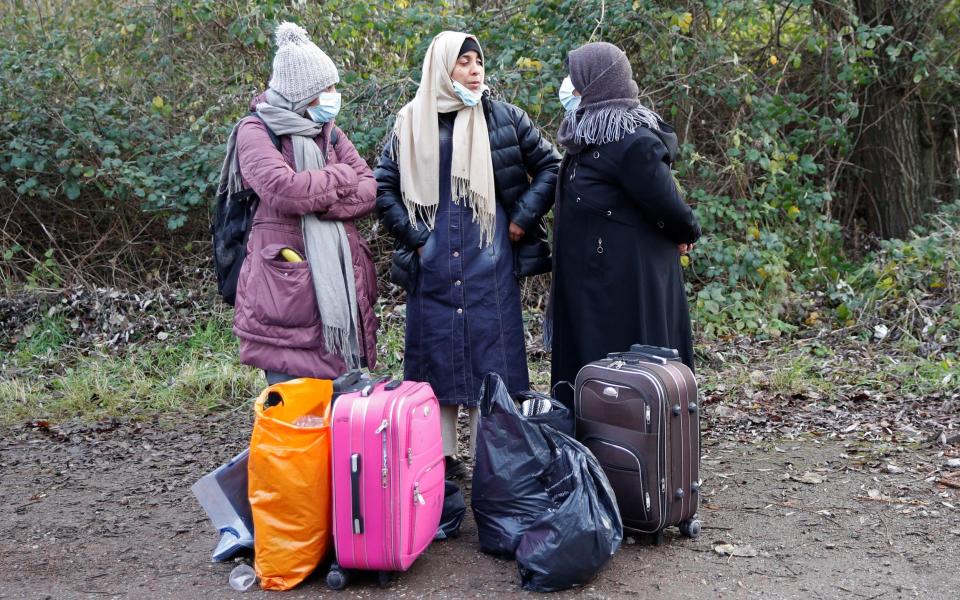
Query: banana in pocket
[291, 255]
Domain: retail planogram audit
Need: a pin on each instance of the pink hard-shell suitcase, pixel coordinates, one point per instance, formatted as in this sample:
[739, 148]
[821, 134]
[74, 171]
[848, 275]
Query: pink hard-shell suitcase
[388, 478]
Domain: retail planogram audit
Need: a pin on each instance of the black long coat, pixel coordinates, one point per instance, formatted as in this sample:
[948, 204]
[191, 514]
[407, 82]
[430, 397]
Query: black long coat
[617, 274]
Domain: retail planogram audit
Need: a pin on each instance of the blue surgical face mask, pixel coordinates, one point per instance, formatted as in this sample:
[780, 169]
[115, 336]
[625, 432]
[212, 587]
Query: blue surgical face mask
[467, 96]
[327, 107]
[567, 98]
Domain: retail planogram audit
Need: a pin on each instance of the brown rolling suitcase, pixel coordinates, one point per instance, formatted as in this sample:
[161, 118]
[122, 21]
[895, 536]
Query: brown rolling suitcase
[637, 412]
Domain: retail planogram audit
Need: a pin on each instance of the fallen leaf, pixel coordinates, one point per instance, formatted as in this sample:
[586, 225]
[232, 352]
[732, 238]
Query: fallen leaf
[723, 411]
[808, 477]
[724, 549]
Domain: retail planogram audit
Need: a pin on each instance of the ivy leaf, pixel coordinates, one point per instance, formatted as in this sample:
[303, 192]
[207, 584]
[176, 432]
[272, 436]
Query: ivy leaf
[72, 190]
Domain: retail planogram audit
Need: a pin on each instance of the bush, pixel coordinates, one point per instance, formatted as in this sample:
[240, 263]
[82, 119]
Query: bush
[125, 122]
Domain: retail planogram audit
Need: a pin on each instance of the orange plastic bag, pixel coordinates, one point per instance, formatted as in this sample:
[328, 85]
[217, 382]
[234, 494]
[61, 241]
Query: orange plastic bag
[289, 481]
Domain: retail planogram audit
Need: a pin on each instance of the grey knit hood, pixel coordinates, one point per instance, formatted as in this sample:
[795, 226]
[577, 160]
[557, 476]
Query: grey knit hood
[610, 107]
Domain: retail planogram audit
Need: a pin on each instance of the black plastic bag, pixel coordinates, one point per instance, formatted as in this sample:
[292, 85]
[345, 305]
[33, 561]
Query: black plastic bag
[559, 417]
[510, 454]
[454, 508]
[569, 544]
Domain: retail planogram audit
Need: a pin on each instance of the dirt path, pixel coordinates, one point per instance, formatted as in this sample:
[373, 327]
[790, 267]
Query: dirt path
[107, 512]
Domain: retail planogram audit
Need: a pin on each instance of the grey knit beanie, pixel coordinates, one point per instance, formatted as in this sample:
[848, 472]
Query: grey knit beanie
[301, 70]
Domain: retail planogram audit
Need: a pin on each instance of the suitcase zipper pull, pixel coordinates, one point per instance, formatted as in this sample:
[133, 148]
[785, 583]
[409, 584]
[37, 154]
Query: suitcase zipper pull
[646, 414]
[417, 496]
[646, 500]
[410, 457]
[384, 472]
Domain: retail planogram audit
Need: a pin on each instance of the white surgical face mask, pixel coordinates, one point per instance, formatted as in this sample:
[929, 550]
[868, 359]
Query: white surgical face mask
[567, 98]
[467, 96]
[327, 108]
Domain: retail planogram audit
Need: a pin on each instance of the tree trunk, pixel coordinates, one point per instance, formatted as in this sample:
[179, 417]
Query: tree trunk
[895, 155]
[895, 179]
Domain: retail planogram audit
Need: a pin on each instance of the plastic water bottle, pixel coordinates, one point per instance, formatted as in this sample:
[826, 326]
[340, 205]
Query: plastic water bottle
[242, 577]
[309, 421]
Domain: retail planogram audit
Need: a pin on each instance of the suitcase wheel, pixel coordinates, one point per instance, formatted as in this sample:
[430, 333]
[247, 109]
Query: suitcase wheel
[336, 578]
[690, 528]
[383, 578]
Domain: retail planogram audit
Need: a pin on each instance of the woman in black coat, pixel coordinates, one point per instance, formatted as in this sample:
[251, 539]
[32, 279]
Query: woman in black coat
[463, 186]
[620, 222]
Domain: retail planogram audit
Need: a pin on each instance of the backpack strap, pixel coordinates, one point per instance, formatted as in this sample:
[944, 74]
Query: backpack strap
[273, 136]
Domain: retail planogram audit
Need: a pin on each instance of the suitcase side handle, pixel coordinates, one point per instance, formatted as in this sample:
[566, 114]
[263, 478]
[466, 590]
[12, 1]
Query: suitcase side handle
[667, 353]
[356, 517]
[635, 357]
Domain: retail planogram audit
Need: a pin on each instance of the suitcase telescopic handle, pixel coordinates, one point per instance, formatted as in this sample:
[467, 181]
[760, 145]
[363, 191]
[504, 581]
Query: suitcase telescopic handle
[635, 357]
[347, 380]
[367, 389]
[667, 353]
[357, 518]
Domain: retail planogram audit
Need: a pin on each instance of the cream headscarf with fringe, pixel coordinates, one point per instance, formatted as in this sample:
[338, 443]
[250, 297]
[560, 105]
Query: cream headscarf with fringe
[417, 143]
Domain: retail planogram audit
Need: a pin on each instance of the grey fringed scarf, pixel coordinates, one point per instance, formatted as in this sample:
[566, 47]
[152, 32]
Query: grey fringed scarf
[609, 107]
[326, 243]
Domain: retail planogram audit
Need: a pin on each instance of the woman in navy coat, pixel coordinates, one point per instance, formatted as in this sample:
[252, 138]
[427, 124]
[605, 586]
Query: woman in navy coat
[463, 186]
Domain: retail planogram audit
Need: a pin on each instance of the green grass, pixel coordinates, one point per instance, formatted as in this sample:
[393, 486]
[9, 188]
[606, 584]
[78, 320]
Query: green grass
[199, 374]
[788, 372]
[48, 378]
[44, 337]
[928, 377]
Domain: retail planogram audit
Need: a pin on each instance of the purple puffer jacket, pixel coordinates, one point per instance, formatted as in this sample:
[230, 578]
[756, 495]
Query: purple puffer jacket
[276, 316]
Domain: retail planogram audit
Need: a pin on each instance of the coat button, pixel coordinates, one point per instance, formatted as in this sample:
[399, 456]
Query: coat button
[456, 253]
[459, 311]
[457, 283]
[578, 198]
[660, 224]
[596, 154]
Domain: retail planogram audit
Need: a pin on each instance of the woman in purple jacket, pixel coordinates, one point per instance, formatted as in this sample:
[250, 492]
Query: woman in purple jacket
[307, 288]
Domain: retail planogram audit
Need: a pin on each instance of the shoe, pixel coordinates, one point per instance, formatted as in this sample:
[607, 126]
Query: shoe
[455, 468]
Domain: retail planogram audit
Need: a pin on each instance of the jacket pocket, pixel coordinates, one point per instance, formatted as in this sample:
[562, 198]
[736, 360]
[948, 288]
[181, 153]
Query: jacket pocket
[283, 291]
[369, 270]
[405, 268]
